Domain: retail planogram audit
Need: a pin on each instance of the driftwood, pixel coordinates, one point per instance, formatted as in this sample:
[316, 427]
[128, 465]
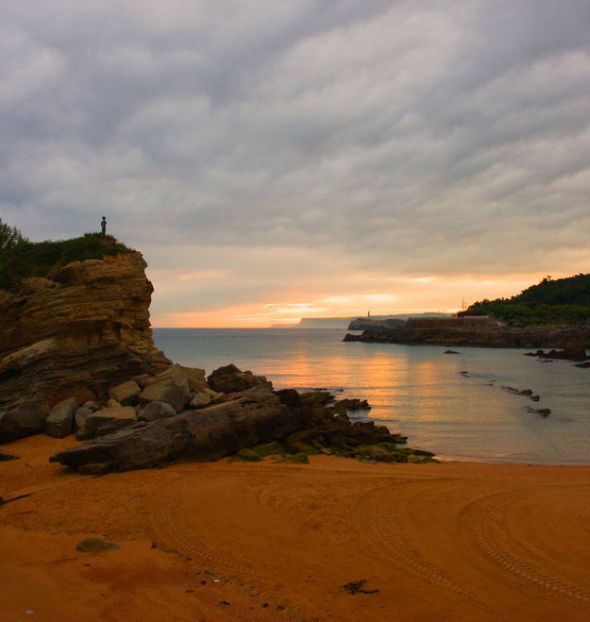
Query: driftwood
[256, 416]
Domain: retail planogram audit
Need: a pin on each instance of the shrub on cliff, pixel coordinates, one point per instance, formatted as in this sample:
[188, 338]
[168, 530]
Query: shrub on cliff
[22, 258]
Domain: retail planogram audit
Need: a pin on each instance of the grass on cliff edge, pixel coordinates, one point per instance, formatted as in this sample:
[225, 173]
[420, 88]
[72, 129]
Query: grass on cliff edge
[26, 258]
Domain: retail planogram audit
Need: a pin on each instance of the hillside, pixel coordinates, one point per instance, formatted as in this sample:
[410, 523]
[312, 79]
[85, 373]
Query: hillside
[560, 301]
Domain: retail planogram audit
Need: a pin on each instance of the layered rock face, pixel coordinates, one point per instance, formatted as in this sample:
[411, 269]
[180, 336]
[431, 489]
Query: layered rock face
[73, 334]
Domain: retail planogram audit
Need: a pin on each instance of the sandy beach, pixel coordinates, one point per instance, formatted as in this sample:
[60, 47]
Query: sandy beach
[332, 540]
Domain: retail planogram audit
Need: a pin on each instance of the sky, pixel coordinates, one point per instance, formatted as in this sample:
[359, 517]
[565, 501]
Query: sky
[304, 158]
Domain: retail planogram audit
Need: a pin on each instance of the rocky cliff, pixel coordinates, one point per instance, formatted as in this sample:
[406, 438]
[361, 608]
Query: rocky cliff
[477, 331]
[363, 323]
[81, 329]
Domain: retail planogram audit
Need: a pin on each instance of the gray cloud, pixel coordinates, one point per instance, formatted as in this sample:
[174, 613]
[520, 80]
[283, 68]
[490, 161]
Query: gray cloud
[445, 137]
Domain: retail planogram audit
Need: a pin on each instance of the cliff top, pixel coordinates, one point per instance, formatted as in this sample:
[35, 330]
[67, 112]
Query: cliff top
[25, 259]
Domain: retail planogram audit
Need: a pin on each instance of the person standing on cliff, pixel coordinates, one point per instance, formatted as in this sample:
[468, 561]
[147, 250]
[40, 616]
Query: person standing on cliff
[103, 225]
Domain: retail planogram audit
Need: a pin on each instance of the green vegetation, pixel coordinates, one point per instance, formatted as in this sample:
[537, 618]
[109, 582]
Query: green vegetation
[563, 301]
[9, 237]
[20, 258]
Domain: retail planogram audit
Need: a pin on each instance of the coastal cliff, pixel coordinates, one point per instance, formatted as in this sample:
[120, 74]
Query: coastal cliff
[74, 332]
[477, 331]
[363, 323]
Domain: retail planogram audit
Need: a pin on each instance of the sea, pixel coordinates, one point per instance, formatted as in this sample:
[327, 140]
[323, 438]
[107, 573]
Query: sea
[463, 406]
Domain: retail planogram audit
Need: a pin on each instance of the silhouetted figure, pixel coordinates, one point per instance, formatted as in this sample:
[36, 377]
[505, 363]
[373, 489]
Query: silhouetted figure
[103, 225]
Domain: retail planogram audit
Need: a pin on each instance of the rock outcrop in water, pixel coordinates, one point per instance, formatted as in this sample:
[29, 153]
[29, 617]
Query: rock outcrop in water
[476, 331]
[74, 333]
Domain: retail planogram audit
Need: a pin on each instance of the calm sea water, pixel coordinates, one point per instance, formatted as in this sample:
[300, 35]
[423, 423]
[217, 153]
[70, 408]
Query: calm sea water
[453, 405]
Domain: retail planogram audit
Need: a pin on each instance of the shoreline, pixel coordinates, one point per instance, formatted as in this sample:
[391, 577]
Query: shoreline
[508, 461]
[334, 539]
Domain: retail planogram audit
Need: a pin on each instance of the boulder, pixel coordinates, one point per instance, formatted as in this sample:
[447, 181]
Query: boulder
[23, 419]
[60, 421]
[254, 418]
[82, 414]
[342, 406]
[200, 400]
[156, 410]
[105, 421]
[216, 397]
[289, 397]
[127, 394]
[93, 406]
[196, 379]
[230, 379]
[316, 398]
[170, 386]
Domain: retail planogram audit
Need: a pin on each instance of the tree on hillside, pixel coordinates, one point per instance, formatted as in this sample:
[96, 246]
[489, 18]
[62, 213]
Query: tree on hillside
[9, 236]
[551, 301]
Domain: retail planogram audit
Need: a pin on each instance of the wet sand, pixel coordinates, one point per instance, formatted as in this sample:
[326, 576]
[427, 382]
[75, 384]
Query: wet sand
[332, 540]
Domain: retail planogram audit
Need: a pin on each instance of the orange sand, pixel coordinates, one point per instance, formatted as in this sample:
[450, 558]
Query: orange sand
[268, 541]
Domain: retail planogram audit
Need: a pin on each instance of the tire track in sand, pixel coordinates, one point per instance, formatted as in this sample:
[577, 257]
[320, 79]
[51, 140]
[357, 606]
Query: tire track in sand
[168, 526]
[377, 510]
[487, 515]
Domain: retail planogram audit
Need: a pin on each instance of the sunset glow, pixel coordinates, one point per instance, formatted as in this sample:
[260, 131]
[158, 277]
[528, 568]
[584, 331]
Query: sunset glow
[273, 161]
[416, 295]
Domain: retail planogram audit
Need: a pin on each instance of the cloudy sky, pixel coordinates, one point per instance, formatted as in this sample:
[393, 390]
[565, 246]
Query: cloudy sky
[277, 160]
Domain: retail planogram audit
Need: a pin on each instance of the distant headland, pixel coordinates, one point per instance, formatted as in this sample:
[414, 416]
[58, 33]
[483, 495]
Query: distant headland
[354, 322]
[552, 314]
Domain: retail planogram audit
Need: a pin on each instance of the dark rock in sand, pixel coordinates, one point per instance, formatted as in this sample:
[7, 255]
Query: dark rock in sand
[60, 421]
[106, 421]
[298, 458]
[252, 424]
[94, 545]
[4, 457]
[253, 418]
[23, 419]
[544, 412]
[247, 455]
